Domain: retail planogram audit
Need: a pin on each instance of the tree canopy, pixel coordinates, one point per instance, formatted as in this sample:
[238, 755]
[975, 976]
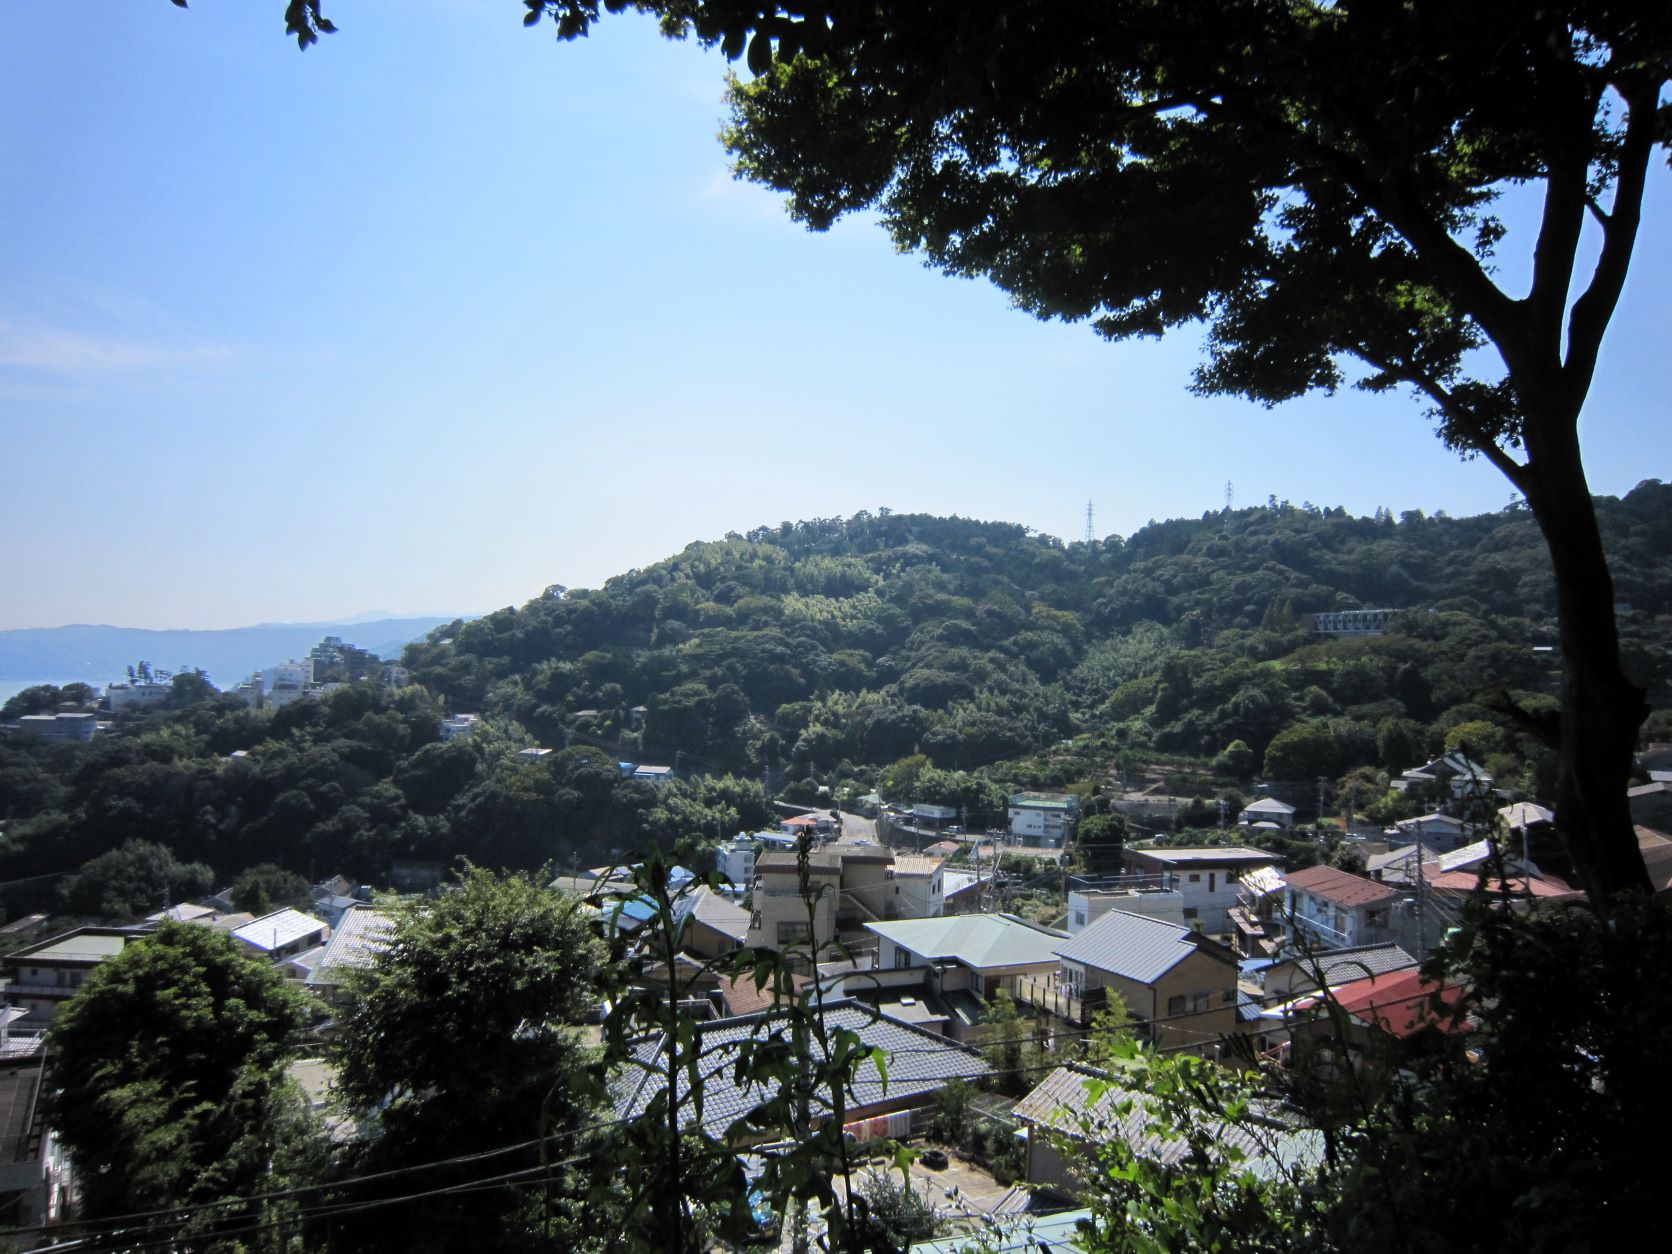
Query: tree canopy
[458, 1039]
[168, 1082]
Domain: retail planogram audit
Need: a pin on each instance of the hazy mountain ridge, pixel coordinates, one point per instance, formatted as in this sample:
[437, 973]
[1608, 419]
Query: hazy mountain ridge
[100, 654]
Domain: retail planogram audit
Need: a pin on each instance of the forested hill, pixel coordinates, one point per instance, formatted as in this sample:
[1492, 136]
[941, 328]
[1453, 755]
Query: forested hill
[860, 640]
[935, 656]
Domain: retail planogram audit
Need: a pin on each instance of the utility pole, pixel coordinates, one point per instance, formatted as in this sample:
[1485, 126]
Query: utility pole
[1422, 928]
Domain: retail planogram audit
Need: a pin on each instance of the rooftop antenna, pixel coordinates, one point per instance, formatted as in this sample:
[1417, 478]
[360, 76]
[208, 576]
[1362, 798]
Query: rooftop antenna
[1089, 536]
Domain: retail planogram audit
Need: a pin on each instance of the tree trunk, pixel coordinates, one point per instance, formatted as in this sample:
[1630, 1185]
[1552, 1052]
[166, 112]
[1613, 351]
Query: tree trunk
[1602, 710]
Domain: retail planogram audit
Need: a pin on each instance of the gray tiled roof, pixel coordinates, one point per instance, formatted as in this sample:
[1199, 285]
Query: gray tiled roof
[1342, 966]
[1130, 945]
[1069, 1099]
[919, 1064]
[361, 934]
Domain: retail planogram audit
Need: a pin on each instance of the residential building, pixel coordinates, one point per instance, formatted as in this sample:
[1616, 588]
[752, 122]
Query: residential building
[1207, 878]
[850, 884]
[1335, 909]
[36, 1180]
[980, 953]
[137, 694]
[966, 892]
[533, 755]
[735, 860]
[1089, 901]
[1089, 1106]
[42, 977]
[1179, 986]
[1448, 779]
[1436, 832]
[62, 728]
[653, 774]
[1043, 818]
[1284, 979]
[1268, 812]
[360, 935]
[289, 681]
[1256, 925]
[456, 725]
[920, 1064]
[713, 926]
[282, 934]
[919, 888]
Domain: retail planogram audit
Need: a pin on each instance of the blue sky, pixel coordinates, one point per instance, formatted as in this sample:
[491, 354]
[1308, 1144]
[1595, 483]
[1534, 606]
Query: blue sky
[443, 311]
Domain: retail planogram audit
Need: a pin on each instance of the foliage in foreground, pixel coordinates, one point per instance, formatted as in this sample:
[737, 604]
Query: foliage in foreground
[168, 1080]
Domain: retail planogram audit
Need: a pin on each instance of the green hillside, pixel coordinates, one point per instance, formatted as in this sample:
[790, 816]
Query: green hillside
[807, 659]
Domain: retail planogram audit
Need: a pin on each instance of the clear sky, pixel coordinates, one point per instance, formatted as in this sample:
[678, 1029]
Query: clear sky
[443, 311]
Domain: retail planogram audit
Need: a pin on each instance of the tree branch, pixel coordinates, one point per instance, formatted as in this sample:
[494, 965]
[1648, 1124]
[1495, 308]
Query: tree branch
[1596, 305]
[1430, 387]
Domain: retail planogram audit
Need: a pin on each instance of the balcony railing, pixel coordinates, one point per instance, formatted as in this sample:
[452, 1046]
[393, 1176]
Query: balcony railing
[1060, 999]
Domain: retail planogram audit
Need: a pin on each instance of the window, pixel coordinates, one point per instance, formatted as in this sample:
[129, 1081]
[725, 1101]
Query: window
[1195, 877]
[1175, 1005]
[902, 959]
[1191, 912]
[792, 933]
[1079, 918]
[1210, 881]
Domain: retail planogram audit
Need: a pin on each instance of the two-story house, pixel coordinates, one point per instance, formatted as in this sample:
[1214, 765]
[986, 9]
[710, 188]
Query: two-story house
[1179, 986]
[1207, 878]
[42, 977]
[1334, 909]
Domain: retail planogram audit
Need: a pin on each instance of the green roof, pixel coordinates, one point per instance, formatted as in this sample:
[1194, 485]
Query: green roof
[88, 948]
[979, 941]
[1044, 801]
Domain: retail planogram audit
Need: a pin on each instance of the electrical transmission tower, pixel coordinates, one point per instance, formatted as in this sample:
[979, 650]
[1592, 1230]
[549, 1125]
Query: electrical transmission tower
[1228, 496]
[1089, 536]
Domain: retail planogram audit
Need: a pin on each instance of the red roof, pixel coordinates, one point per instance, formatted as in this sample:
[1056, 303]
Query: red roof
[743, 998]
[1341, 888]
[1399, 1003]
[1465, 881]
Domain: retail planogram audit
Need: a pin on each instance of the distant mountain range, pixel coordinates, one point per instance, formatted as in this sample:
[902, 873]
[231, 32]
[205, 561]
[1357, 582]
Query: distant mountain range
[100, 655]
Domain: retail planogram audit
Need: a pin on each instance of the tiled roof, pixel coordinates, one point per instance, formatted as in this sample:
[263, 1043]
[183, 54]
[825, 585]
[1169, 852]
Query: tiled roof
[914, 864]
[1342, 966]
[1341, 888]
[1130, 945]
[1401, 1004]
[1269, 805]
[920, 1063]
[1084, 1104]
[362, 933]
[743, 998]
[979, 941]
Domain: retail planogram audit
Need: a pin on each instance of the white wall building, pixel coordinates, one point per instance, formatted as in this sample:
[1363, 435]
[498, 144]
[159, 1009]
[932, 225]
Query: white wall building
[137, 695]
[1043, 818]
[1207, 878]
